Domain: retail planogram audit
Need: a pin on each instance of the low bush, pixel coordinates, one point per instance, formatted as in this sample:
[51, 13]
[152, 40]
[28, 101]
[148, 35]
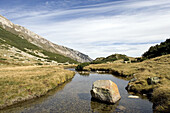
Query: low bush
[81, 66]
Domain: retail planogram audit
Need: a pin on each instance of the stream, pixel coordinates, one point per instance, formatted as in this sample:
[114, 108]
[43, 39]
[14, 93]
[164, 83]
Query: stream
[74, 97]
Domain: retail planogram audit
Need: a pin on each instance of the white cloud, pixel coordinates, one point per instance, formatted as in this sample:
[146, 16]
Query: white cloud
[46, 2]
[135, 25]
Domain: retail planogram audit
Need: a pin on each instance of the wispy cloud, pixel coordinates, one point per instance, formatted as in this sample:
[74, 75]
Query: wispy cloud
[99, 29]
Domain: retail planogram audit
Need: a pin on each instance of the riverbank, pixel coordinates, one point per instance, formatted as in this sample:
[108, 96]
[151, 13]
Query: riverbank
[141, 72]
[21, 83]
[74, 97]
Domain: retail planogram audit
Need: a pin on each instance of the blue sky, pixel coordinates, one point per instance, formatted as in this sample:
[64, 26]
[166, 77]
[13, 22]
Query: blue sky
[95, 27]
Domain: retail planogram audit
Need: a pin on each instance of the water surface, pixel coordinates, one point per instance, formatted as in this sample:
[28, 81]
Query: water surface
[74, 97]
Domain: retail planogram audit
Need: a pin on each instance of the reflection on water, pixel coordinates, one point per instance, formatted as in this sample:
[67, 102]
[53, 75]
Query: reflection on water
[85, 75]
[33, 102]
[74, 96]
[98, 107]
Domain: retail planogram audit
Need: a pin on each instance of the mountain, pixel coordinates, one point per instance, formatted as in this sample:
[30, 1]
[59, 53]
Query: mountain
[110, 58]
[17, 50]
[158, 50]
[41, 42]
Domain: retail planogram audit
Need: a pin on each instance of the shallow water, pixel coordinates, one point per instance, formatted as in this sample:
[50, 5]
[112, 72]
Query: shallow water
[74, 96]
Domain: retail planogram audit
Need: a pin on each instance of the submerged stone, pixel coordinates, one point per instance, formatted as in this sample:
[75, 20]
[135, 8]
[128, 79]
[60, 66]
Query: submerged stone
[105, 91]
[121, 108]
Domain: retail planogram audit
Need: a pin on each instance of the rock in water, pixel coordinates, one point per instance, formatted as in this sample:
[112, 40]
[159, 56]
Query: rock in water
[106, 91]
[133, 96]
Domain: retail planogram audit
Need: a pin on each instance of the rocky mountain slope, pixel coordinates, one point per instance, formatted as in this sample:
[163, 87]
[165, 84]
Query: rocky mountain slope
[41, 42]
[18, 51]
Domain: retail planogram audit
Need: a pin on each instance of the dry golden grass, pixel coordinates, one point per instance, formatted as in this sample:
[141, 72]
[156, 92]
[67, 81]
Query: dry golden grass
[27, 82]
[159, 67]
[68, 66]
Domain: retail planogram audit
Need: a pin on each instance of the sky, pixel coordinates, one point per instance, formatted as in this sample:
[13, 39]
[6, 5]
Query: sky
[97, 28]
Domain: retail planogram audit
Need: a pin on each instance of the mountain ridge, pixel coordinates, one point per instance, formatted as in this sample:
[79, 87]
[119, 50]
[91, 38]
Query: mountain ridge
[42, 42]
[15, 49]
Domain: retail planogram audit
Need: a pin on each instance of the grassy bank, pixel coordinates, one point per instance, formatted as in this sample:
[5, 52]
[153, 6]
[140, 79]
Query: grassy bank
[23, 83]
[156, 67]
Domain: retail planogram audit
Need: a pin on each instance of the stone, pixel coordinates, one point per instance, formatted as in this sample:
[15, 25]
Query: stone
[121, 108]
[153, 80]
[105, 91]
[128, 87]
[133, 80]
[133, 96]
[101, 72]
[84, 72]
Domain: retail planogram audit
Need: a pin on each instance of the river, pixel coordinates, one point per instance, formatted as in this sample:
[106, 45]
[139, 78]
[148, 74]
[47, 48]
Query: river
[74, 97]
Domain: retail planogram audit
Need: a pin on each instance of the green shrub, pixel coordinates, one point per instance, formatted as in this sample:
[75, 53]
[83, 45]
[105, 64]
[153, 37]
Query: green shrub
[126, 59]
[3, 59]
[158, 50]
[39, 64]
[81, 66]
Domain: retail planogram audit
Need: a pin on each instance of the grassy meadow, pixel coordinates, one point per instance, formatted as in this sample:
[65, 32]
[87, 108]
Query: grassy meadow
[156, 67]
[20, 83]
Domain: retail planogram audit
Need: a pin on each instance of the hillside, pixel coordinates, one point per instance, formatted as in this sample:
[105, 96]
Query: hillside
[15, 47]
[41, 42]
[158, 50]
[110, 58]
[114, 58]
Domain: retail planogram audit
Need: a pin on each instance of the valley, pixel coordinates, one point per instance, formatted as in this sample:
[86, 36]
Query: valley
[31, 67]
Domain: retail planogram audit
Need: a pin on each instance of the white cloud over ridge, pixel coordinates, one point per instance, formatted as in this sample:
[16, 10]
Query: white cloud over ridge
[127, 27]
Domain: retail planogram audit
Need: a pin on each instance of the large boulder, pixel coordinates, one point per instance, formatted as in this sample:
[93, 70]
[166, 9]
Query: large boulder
[106, 91]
